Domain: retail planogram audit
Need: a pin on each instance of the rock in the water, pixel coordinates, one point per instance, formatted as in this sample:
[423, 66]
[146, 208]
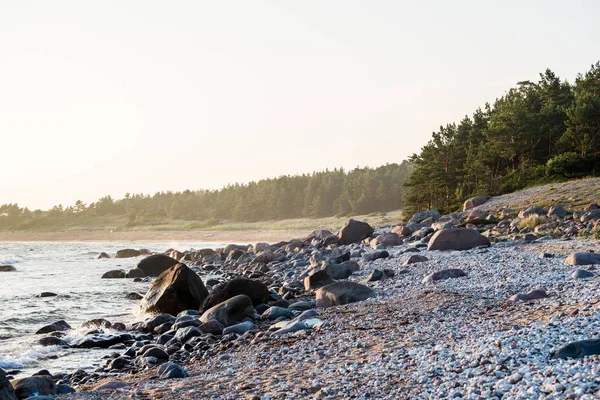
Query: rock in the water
[51, 341]
[103, 255]
[7, 268]
[47, 294]
[578, 349]
[444, 274]
[474, 202]
[582, 274]
[114, 274]
[324, 236]
[127, 253]
[415, 258]
[58, 326]
[343, 292]
[177, 289]
[156, 264]
[134, 296]
[583, 258]
[135, 273]
[375, 255]
[171, 370]
[103, 341]
[34, 386]
[317, 279]
[457, 239]
[257, 291]
[354, 232]
[533, 295]
[231, 311]
[6, 389]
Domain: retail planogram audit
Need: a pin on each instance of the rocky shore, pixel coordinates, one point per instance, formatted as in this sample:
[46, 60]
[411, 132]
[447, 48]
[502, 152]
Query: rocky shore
[485, 303]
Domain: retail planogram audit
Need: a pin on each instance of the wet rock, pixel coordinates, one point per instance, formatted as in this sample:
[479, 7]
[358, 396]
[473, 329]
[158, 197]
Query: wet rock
[231, 311]
[444, 274]
[415, 258]
[354, 232]
[6, 389]
[58, 326]
[583, 258]
[533, 295]
[474, 202]
[47, 294]
[457, 239]
[156, 264]
[177, 289]
[7, 268]
[51, 341]
[150, 324]
[103, 341]
[97, 323]
[135, 273]
[340, 293]
[114, 274]
[317, 279]
[34, 386]
[103, 255]
[127, 253]
[134, 296]
[157, 353]
[257, 291]
[119, 326]
[171, 370]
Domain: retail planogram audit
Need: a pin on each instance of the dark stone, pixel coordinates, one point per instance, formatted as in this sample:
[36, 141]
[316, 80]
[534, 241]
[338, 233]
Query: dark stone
[274, 312]
[135, 273]
[61, 388]
[317, 279]
[376, 275]
[457, 239]
[354, 232]
[127, 253]
[343, 292]
[157, 353]
[578, 349]
[134, 296]
[51, 341]
[7, 268]
[111, 386]
[177, 289]
[415, 258]
[156, 264]
[58, 326]
[171, 370]
[444, 274]
[47, 294]
[114, 274]
[34, 386]
[150, 324]
[533, 295]
[339, 271]
[582, 274]
[119, 326]
[583, 258]
[6, 389]
[213, 327]
[103, 341]
[97, 323]
[103, 255]
[339, 259]
[257, 291]
[231, 311]
[375, 255]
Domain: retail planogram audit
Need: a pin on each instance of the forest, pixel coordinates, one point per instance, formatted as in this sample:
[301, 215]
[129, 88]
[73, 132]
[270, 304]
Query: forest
[320, 194]
[537, 132]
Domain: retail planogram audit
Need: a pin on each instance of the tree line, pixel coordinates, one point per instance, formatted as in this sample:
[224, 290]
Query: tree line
[320, 194]
[537, 132]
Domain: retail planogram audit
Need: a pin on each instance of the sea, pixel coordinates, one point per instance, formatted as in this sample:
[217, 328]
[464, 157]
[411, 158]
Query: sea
[73, 271]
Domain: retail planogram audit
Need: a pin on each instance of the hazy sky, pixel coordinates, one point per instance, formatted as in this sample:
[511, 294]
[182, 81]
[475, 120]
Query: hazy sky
[109, 97]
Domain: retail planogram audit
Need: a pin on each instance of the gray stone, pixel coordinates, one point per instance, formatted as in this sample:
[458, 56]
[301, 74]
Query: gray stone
[375, 255]
[340, 293]
[171, 370]
[457, 239]
[231, 311]
[581, 274]
[58, 326]
[578, 349]
[444, 274]
[274, 312]
[6, 389]
[40, 385]
[582, 258]
[415, 258]
[7, 268]
[240, 328]
[114, 274]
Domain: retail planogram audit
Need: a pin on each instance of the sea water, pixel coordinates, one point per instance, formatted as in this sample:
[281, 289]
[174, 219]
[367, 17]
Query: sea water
[73, 271]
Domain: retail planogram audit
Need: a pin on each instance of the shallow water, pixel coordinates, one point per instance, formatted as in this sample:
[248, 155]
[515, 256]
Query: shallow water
[73, 271]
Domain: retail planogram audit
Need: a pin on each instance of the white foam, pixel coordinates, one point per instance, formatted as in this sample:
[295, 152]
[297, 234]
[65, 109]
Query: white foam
[23, 355]
[10, 259]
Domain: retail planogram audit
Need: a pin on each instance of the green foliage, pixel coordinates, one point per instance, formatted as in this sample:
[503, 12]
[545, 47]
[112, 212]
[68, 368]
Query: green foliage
[321, 194]
[536, 132]
[532, 221]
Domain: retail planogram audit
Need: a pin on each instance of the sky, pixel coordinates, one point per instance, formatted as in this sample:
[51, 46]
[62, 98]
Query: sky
[106, 98]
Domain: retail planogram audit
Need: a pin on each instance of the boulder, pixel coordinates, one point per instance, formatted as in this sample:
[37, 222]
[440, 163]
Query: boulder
[39, 385]
[127, 253]
[419, 217]
[339, 271]
[103, 255]
[403, 230]
[444, 274]
[156, 264]
[114, 274]
[582, 258]
[51, 341]
[261, 247]
[135, 273]
[457, 239]
[103, 341]
[590, 216]
[58, 326]
[386, 239]
[257, 291]
[354, 232]
[231, 311]
[7, 268]
[150, 324]
[533, 210]
[317, 279]
[343, 292]
[6, 389]
[274, 312]
[175, 290]
[557, 211]
[578, 349]
[474, 202]
[326, 237]
[134, 296]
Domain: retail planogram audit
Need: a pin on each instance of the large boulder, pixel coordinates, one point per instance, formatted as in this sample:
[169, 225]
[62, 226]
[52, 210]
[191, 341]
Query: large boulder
[175, 290]
[37, 385]
[474, 202]
[127, 253]
[6, 389]
[343, 292]
[114, 274]
[457, 239]
[386, 239]
[257, 291]
[58, 326]
[419, 217]
[156, 264]
[354, 232]
[231, 311]
[557, 211]
[582, 258]
[317, 279]
[7, 268]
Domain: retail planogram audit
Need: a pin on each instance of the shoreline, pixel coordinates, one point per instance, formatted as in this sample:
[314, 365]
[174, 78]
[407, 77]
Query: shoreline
[270, 236]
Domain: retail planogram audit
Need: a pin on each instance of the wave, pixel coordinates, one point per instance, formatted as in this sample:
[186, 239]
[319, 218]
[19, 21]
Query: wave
[10, 259]
[22, 355]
